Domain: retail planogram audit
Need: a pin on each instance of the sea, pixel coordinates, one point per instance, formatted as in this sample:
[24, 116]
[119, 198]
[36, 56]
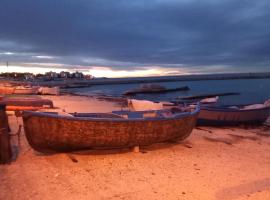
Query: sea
[251, 90]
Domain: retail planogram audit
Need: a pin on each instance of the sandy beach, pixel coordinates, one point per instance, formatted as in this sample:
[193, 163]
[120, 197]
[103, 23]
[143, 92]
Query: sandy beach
[213, 163]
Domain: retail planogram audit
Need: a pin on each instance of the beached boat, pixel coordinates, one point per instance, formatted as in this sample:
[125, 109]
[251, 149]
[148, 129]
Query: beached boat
[52, 132]
[6, 89]
[24, 103]
[5, 147]
[210, 100]
[3, 117]
[49, 90]
[234, 115]
[153, 88]
[25, 90]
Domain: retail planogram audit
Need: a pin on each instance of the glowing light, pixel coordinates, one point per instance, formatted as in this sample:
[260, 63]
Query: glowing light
[44, 57]
[96, 71]
[149, 71]
[34, 70]
[7, 53]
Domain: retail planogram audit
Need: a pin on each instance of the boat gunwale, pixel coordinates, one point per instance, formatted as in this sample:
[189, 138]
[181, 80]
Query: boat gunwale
[227, 109]
[196, 111]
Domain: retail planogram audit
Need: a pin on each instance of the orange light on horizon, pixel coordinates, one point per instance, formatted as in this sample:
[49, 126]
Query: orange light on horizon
[99, 71]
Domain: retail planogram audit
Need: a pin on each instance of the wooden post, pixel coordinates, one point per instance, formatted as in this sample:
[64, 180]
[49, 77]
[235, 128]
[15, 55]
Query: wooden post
[5, 147]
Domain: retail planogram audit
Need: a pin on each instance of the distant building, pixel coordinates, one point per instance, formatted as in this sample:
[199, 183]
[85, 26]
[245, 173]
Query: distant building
[51, 74]
[88, 76]
[29, 76]
[77, 75]
[64, 74]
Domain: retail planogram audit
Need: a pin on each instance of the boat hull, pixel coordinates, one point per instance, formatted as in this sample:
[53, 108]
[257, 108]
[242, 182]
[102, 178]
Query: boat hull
[222, 117]
[25, 91]
[146, 91]
[54, 133]
[3, 117]
[26, 103]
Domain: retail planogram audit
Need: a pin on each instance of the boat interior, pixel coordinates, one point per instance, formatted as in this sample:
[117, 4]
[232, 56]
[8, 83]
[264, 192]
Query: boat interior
[127, 114]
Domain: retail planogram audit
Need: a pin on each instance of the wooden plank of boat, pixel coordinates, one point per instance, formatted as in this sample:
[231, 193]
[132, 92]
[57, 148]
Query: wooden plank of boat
[195, 97]
[225, 116]
[49, 132]
[21, 108]
[155, 90]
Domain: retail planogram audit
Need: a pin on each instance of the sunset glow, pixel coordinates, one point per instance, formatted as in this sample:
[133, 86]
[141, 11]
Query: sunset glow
[99, 71]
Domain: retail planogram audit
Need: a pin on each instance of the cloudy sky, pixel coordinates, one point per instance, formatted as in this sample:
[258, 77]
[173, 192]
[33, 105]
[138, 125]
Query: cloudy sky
[135, 38]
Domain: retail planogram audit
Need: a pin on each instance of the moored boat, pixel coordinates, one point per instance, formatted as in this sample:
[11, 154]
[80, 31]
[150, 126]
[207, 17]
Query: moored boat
[234, 115]
[52, 132]
[153, 88]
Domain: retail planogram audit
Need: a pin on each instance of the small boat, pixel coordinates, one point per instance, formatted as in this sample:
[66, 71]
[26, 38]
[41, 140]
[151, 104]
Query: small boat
[25, 90]
[153, 88]
[21, 103]
[6, 89]
[5, 146]
[234, 115]
[204, 96]
[47, 132]
[49, 90]
[210, 100]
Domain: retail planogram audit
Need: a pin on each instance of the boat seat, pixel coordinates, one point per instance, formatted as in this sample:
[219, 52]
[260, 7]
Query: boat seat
[121, 112]
[132, 115]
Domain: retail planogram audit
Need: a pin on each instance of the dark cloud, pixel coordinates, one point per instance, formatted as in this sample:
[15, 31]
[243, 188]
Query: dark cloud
[121, 33]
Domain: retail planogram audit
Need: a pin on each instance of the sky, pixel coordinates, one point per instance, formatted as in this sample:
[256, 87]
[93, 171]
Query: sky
[116, 38]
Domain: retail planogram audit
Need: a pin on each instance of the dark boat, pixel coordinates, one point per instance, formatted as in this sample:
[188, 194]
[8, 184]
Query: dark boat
[25, 90]
[5, 147]
[22, 103]
[3, 117]
[233, 115]
[204, 96]
[51, 132]
[153, 88]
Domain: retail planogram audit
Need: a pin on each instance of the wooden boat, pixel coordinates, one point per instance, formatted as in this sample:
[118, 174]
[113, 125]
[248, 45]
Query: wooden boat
[234, 115]
[210, 100]
[204, 96]
[153, 88]
[21, 103]
[5, 147]
[3, 117]
[6, 90]
[51, 132]
[49, 90]
[25, 90]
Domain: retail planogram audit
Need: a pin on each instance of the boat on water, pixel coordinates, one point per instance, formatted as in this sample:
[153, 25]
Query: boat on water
[47, 132]
[234, 115]
[3, 117]
[153, 88]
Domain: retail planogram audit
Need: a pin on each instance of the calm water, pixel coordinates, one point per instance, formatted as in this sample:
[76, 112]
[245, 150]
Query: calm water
[252, 90]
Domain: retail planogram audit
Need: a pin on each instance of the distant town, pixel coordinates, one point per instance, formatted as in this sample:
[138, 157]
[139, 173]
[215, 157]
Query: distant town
[48, 76]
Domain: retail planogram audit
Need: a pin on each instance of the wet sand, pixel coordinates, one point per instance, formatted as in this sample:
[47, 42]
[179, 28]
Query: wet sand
[213, 163]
